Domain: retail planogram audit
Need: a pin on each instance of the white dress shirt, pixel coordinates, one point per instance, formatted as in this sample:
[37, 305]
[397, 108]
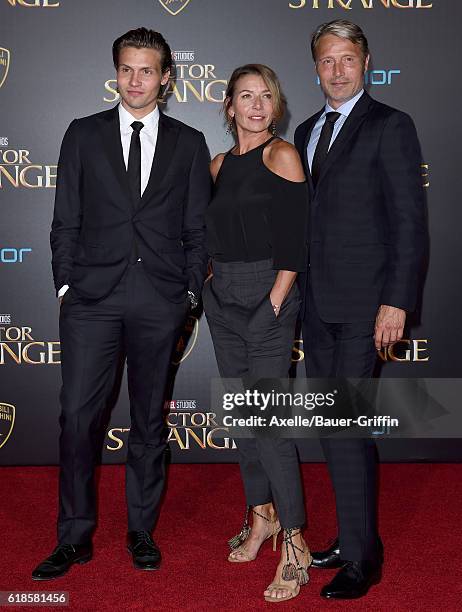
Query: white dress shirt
[148, 139]
[344, 111]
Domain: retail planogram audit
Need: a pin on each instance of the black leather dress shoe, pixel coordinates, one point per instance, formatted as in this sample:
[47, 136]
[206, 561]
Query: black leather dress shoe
[145, 553]
[327, 559]
[330, 558]
[353, 580]
[61, 560]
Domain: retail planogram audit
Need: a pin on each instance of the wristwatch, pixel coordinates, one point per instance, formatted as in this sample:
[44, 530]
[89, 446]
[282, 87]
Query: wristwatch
[193, 299]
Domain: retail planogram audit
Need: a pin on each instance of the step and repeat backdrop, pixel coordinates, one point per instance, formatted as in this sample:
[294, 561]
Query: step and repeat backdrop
[55, 65]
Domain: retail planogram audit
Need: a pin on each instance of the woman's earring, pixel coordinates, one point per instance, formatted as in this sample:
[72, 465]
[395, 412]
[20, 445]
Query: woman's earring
[273, 127]
[229, 127]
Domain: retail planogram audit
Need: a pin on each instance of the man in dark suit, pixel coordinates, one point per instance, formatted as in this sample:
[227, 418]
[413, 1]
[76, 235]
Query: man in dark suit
[128, 262]
[367, 239]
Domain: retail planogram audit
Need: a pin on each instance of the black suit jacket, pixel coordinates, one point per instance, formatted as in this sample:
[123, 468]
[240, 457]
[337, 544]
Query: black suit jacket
[97, 230]
[367, 215]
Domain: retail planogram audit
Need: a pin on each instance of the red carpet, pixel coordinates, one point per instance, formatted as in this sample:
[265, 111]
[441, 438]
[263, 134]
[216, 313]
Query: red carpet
[420, 524]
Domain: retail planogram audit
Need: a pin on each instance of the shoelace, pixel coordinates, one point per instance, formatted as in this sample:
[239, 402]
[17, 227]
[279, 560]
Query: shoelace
[353, 569]
[142, 537]
[66, 549]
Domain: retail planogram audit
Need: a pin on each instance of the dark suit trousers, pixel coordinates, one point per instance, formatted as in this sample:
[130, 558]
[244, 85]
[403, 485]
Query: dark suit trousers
[346, 350]
[137, 319]
[251, 343]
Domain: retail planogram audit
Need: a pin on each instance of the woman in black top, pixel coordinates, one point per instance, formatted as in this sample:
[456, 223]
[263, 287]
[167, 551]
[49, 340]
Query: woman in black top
[256, 236]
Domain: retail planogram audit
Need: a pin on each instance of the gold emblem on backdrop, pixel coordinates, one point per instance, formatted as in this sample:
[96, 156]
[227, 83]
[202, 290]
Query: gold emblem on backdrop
[189, 429]
[405, 350]
[190, 82]
[35, 3]
[7, 415]
[5, 57]
[18, 346]
[348, 5]
[298, 354]
[174, 6]
[17, 170]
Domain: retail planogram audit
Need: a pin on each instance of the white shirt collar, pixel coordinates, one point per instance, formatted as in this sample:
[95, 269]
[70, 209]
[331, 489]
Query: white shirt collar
[346, 108]
[126, 119]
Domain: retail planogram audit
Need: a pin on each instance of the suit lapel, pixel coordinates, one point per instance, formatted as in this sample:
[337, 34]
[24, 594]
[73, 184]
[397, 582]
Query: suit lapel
[166, 142]
[114, 153]
[309, 128]
[349, 128]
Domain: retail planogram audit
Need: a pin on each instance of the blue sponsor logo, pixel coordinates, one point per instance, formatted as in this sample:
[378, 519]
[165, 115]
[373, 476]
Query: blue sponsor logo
[9, 255]
[377, 77]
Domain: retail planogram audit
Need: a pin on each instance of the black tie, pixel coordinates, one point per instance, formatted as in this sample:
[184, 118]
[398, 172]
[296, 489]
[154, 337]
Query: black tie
[322, 148]
[134, 161]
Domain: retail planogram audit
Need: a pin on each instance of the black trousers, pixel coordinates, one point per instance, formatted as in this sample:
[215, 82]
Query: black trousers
[251, 343]
[346, 350]
[137, 319]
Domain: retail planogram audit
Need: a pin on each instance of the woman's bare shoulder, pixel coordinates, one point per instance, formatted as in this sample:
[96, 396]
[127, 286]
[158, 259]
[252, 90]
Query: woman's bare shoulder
[284, 160]
[215, 164]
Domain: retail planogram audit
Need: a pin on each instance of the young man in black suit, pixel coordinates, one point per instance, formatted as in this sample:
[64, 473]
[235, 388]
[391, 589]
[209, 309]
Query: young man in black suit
[367, 239]
[128, 261]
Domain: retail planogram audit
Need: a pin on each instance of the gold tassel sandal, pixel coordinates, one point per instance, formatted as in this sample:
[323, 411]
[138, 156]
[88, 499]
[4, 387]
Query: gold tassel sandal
[292, 570]
[239, 553]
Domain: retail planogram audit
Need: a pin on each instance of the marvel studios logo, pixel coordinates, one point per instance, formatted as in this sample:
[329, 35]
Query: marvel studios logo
[182, 404]
[183, 56]
[5, 319]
